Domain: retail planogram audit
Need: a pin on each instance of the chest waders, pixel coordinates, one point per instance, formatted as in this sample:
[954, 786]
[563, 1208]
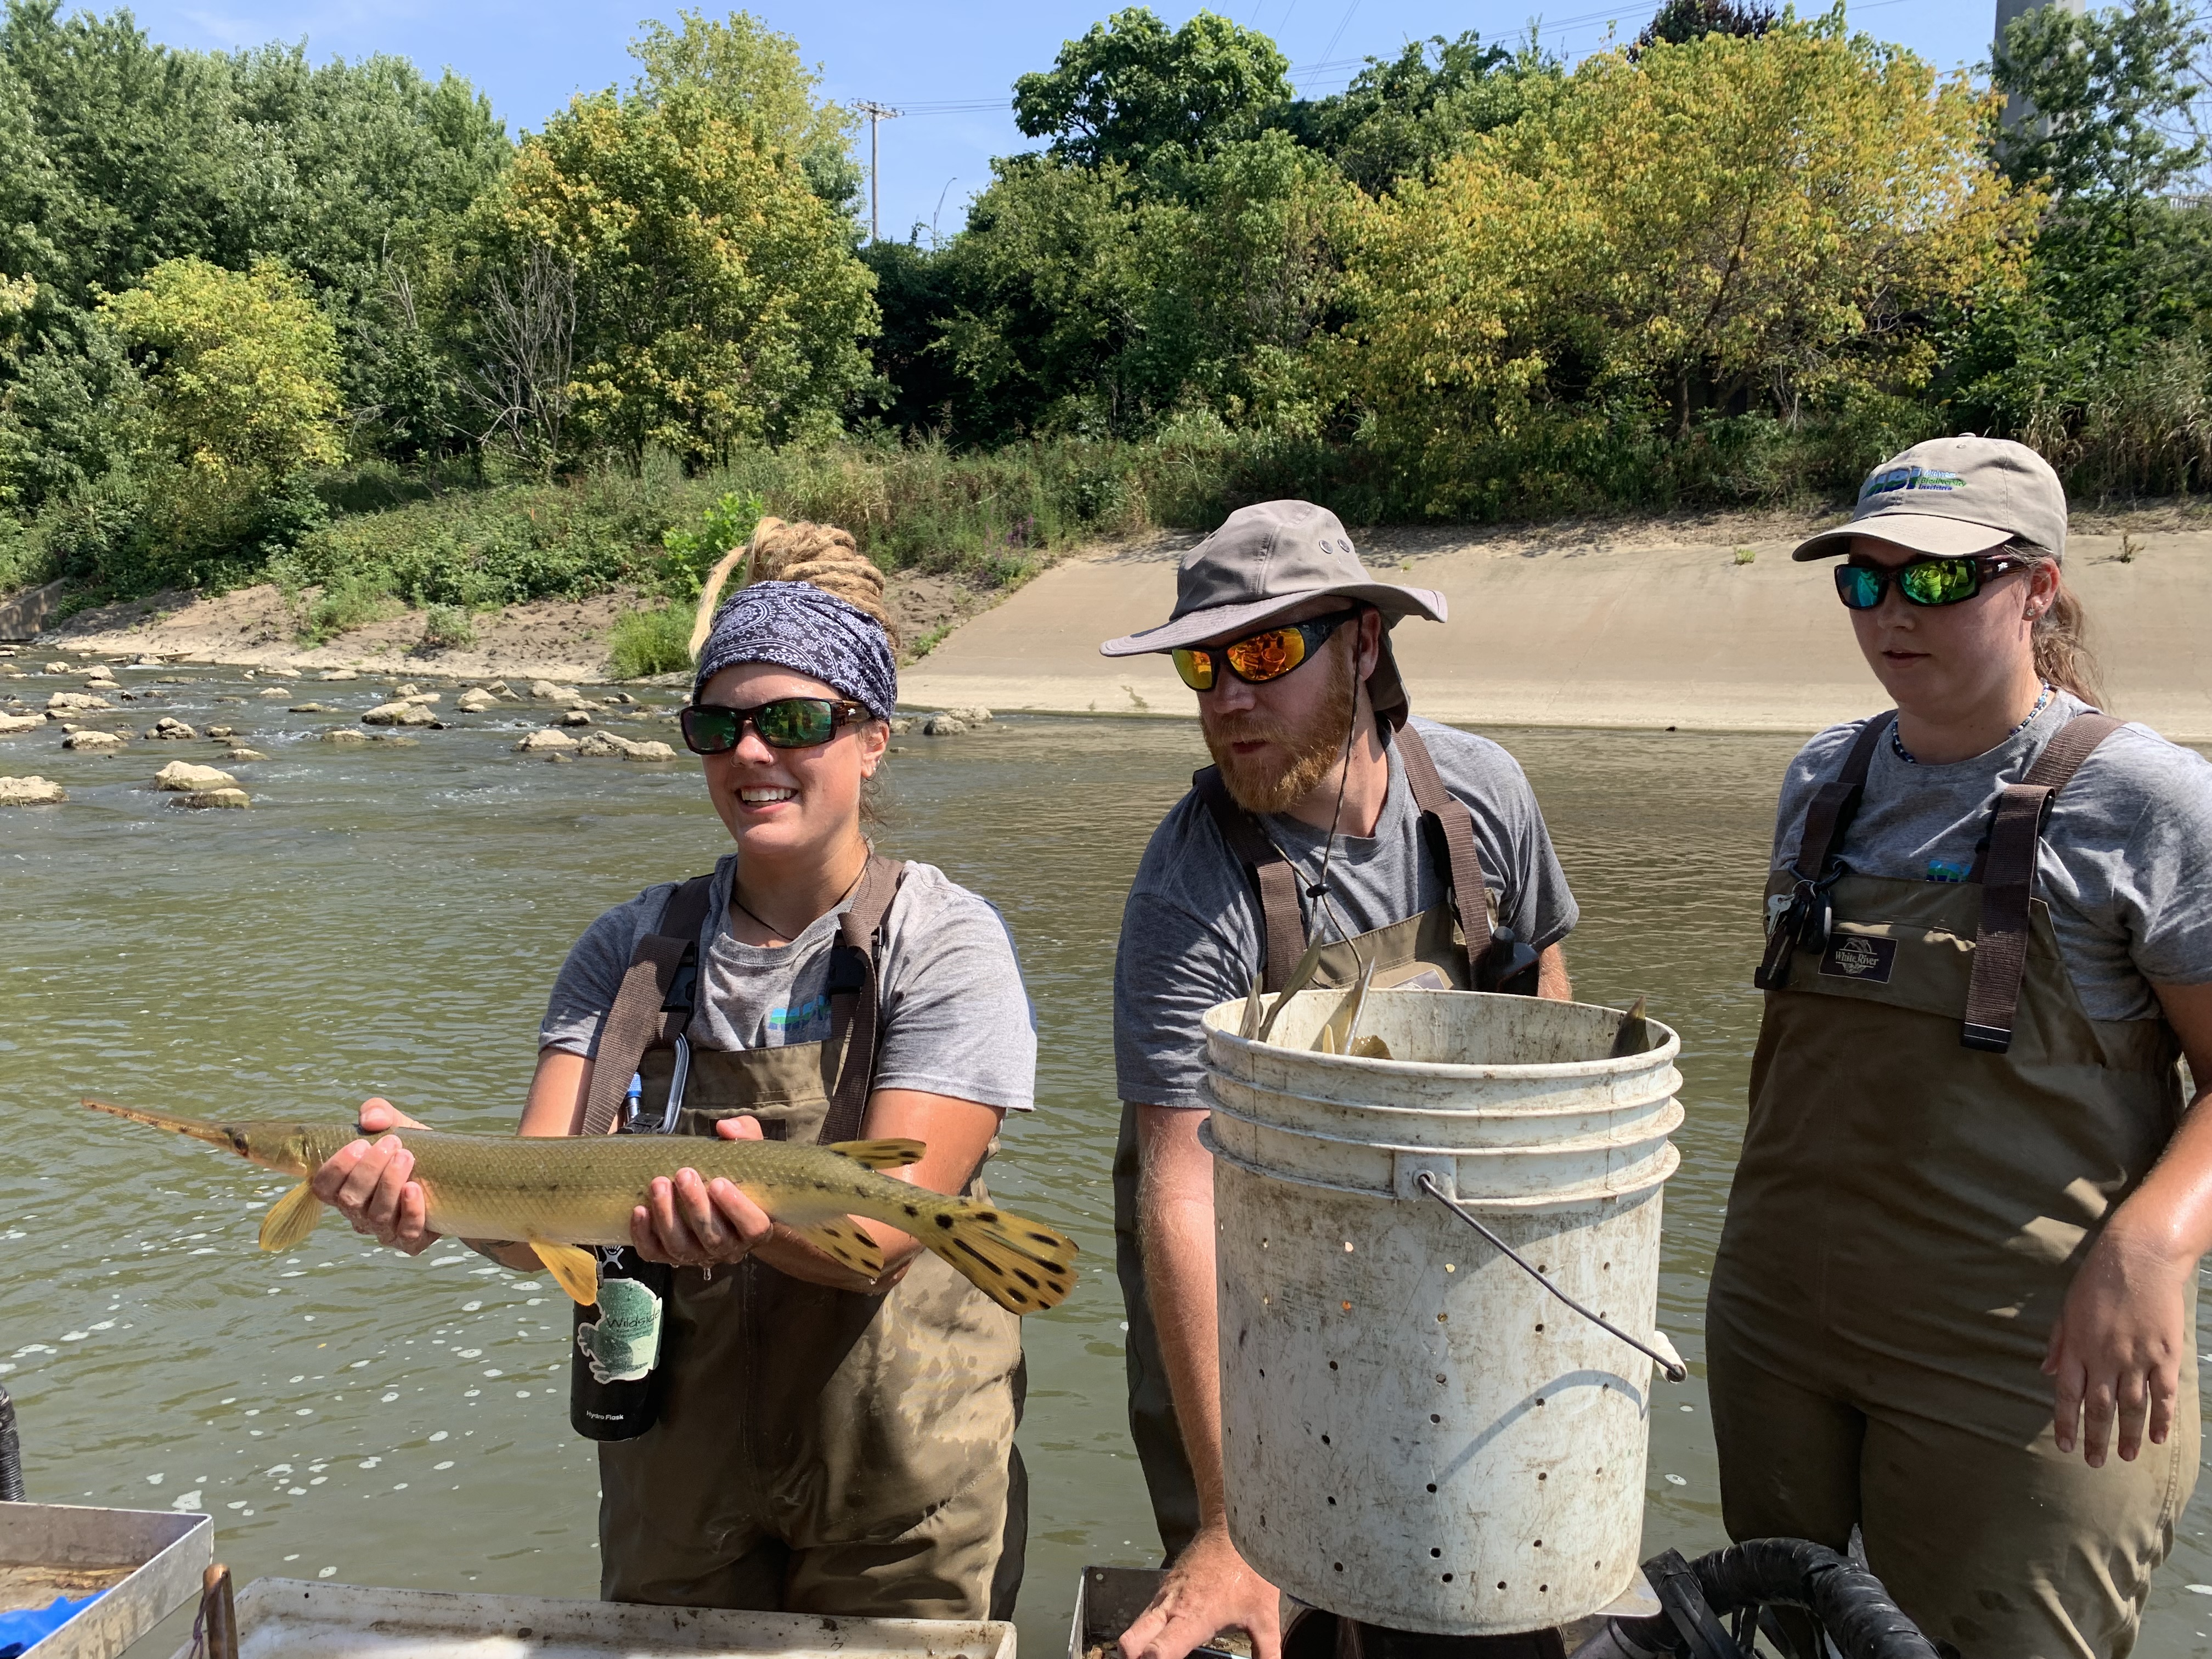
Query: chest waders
[1938, 1131]
[814, 1450]
[1450, 946]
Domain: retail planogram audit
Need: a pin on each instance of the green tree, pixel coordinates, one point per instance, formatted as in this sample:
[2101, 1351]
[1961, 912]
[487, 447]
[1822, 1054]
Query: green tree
[1710, 223]
[1679, 21]
[1132, 88]
[240, 371]
[1402, 116]
[754, 73]
[719, 301]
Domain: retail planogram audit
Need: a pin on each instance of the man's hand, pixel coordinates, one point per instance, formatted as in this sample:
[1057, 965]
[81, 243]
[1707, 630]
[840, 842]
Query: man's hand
[368, 1182]
[1208, 1588]
[690, 1223]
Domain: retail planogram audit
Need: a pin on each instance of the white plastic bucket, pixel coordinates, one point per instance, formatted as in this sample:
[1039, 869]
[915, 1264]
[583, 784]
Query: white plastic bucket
[1414, 1432]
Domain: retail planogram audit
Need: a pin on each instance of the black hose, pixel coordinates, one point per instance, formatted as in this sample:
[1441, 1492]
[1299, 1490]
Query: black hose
[1848, 1601]
[11, 1454]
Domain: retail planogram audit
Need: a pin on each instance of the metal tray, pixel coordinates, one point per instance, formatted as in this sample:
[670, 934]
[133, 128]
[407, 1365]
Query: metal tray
[147, 1561]
[295, 1618]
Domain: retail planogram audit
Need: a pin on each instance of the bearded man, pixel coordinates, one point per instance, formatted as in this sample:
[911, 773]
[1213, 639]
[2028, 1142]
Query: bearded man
[1326, 814]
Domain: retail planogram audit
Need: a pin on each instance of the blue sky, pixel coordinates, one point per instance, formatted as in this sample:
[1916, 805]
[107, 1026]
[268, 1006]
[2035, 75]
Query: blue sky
[531, 55]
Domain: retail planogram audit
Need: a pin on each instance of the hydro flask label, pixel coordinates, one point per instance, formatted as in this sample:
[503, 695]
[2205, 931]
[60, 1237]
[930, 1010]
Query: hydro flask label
[625, 1341]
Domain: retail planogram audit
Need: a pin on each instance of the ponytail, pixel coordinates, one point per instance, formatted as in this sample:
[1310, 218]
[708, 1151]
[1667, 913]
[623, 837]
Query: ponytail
[821, 554]
[2060, 638]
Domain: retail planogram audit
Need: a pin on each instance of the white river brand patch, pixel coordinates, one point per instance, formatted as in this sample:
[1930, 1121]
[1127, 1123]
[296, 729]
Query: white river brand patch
[625, 1341]
[1855, 956]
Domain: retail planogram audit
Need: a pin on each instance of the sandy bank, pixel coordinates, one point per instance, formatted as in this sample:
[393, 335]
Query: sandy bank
[1653, 625]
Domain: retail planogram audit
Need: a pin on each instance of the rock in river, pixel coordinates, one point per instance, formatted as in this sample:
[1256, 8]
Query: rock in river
[546, 691]
[608, 746]
[20, 722]
[476, 702]
[64, 702]
[576, 717]
[205, 797]
[185, 777]
[93, 742]
[238, 752]
[345, 736]
[31, 792]
[399, 714]
[943, 725]
[330, 675]
[546, 739]
[170, 726]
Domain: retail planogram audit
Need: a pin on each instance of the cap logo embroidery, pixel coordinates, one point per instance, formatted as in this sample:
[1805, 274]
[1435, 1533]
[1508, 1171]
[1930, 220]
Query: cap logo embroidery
[1909, 478]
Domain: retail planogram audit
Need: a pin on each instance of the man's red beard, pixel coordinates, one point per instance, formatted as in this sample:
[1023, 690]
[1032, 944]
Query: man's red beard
[1261, 783]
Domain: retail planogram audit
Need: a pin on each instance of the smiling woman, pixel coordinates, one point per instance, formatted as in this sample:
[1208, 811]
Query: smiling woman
[806, 989]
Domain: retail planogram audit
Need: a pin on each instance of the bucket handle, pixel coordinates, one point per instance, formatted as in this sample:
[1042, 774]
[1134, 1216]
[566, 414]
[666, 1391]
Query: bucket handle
[1675, 1369]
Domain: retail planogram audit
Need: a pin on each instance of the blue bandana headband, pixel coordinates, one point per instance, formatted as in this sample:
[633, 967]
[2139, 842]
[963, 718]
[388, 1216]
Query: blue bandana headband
[796, 625]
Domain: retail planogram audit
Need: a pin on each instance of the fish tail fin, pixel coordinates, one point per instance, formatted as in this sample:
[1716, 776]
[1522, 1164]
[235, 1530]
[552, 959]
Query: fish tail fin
[1022, 1265]
[882, 1154]
[291, 1219]
[198, 1128]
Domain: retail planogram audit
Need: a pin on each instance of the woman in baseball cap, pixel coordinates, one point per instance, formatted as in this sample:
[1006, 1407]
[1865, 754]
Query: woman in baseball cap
[1958, 1268]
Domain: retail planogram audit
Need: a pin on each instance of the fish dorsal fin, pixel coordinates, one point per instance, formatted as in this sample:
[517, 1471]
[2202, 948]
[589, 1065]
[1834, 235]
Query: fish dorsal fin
[572, 1268]
[844, 1243]
[291, 1219]
[882, 1154]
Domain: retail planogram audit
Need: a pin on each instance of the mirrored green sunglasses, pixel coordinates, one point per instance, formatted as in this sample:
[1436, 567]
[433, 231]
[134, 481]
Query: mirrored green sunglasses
[1922, 582]
[787, 723]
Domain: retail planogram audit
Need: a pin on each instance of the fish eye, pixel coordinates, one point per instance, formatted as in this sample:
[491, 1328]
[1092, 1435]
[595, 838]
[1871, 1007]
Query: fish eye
[237, 1140]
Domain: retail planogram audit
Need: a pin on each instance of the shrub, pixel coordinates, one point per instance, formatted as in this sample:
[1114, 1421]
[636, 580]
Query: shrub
[446, 626]
[655, 642]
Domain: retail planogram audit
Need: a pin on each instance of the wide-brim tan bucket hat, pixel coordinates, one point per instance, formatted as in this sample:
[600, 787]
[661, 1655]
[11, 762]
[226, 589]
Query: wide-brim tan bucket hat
[1953, 498]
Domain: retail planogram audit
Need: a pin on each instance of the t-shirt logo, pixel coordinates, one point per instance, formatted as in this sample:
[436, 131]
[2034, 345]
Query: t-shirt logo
[796, 1024]
[1854, 955]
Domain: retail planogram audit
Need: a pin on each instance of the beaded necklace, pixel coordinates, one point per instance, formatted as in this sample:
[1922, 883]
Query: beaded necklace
[1897, 743]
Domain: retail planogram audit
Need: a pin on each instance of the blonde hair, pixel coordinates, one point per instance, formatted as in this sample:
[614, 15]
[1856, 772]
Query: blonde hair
[2059, 636]
[821, 554]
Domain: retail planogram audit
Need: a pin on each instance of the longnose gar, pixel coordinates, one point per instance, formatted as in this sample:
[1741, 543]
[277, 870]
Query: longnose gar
[556, 1194]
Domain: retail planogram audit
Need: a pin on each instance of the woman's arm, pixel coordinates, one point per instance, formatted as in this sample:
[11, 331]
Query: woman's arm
[695, 1223]
[2118, 1350]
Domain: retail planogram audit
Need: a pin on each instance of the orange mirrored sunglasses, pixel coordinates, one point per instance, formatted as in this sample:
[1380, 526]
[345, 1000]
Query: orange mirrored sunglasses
[1258, 658]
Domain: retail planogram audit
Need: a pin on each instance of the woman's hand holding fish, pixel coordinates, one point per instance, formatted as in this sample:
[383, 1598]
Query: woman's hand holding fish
[368, 1181]
[690, 1222]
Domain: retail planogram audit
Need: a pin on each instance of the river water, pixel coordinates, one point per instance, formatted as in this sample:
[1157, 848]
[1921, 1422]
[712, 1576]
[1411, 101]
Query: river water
[387, 920]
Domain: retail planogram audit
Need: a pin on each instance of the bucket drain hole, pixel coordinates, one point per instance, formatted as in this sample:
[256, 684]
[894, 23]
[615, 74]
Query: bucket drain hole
[1340, 1566]
[1543, 1475]
[1501, 1584]
[1332, 1503]
[1324, 1440]
[1432, 1485]
[1434, 1418]
[1448, 1578]
[1433, 1554]
[1539, 1327]
[1332, 1365]
[1440, 1377]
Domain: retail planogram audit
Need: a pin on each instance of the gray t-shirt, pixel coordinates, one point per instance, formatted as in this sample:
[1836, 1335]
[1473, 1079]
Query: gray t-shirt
[956, 1020]
[2126, 861]
[1191, 931]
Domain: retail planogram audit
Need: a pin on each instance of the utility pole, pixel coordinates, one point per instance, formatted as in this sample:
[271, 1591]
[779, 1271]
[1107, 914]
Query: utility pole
[2019, 112]
[877, 114]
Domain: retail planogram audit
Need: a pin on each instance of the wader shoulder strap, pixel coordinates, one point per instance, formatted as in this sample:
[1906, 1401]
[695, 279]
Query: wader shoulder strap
[853, 997]
[2006, 870]
[641, 1019]
[1450, 818]
[1819, 859]
[1281, 923]
[1835, 803]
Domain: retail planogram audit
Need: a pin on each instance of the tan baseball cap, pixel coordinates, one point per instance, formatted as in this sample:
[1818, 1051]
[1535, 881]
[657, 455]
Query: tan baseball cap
[1954, 497]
